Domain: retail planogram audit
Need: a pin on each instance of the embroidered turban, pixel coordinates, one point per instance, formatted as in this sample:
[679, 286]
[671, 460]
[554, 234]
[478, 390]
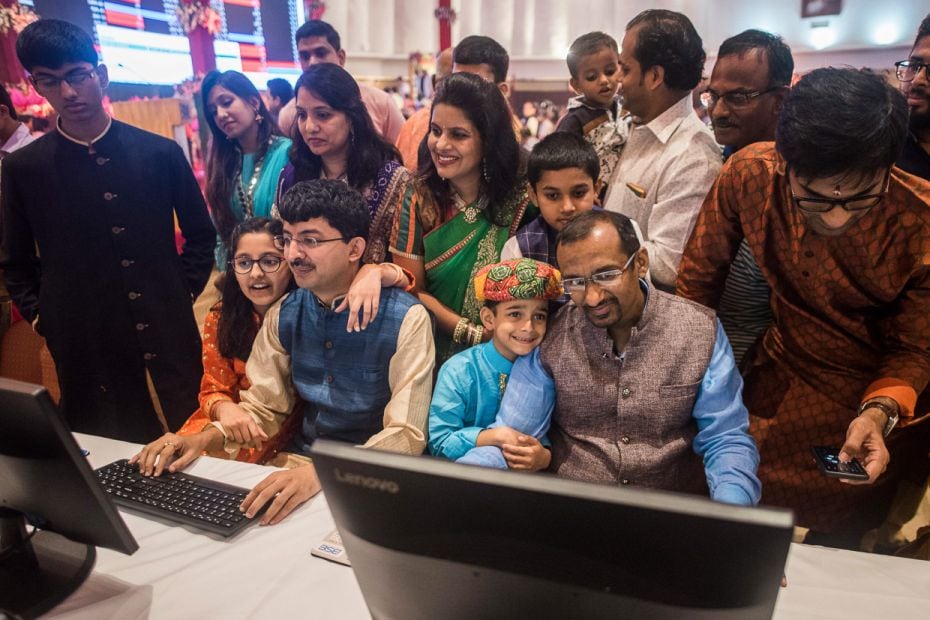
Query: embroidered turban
[523, 278]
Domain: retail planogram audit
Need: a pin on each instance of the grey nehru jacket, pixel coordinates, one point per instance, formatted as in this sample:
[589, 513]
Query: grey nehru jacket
[629, 422]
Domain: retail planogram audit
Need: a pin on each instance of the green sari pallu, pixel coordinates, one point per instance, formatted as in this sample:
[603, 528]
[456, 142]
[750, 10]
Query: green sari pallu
[455, 251]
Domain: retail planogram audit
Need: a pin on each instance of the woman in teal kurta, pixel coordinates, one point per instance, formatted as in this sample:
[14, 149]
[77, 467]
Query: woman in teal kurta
[247, 154]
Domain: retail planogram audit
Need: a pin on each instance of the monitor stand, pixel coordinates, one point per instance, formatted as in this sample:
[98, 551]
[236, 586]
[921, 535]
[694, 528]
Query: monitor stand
[38, 572]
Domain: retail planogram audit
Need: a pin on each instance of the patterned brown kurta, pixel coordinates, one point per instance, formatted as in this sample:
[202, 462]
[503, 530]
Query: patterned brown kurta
[852, 321]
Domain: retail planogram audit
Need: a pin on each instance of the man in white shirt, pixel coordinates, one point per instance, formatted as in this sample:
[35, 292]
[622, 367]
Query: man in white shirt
[670, 159]
[13, 133]
[318, 42]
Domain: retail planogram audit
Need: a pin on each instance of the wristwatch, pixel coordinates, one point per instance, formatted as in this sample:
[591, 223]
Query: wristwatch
[890, 412]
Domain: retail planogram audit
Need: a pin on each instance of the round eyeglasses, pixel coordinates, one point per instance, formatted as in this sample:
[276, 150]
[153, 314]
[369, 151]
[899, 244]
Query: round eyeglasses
[268, 263]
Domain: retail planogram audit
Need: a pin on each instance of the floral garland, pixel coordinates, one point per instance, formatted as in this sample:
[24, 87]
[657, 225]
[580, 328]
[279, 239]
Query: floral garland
[16, 17]
[193, 14]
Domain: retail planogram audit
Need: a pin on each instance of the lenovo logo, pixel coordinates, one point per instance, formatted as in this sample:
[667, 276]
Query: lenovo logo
[368, 482]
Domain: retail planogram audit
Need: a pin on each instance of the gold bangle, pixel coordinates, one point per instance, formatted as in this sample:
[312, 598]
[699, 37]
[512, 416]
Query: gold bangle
[458, 334]
[477, 335]
[399, 274]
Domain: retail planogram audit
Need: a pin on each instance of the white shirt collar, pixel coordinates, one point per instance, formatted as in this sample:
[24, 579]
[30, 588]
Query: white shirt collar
[665, 124]
[88, 144]
[17, 140]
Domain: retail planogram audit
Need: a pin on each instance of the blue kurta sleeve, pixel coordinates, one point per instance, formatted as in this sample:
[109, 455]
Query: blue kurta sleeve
[449, 437]
[731, 458]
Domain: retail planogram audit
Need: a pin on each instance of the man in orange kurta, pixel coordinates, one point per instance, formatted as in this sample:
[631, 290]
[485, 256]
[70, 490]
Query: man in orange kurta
[843, 239]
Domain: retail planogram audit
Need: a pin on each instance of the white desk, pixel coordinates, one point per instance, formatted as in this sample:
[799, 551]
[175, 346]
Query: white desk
[268, 572]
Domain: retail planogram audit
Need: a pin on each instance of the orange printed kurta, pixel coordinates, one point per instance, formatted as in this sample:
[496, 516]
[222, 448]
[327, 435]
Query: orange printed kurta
[223, 379]
[852, 321]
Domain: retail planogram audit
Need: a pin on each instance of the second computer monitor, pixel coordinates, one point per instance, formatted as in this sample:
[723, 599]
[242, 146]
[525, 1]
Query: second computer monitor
[429, 539]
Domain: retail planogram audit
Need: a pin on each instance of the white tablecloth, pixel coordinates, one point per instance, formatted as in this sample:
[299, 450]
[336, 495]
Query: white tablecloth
[268, 572]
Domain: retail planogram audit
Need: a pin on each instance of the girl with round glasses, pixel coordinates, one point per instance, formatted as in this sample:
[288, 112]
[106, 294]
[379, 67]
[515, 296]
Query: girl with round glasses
[257, 277]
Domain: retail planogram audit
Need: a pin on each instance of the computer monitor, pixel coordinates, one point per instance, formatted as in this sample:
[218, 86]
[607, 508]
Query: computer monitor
[46, 482]
[434, 539]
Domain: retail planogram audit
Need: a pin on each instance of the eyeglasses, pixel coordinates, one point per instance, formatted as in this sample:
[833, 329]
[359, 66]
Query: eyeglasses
[268, 263]
[304, 243]
[907, 70]
[858, 203]
[736, 98]
[604, 278]
[75, 79]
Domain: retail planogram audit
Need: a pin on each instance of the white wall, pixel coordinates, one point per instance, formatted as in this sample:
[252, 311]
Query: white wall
[379, 34]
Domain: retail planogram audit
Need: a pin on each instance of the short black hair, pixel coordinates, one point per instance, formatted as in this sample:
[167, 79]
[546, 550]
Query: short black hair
[841, 122]
[923, 30]
[561, 150]
[343, 207]
[6, 100]
[280, 88]
[668, 39]
[52, 43]
[777, 53]
[580, 227]
[481, 50]
[319, 28]
[585, 45]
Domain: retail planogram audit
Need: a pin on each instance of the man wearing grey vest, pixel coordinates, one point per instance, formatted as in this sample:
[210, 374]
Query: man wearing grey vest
[647, 390]
[369, 388]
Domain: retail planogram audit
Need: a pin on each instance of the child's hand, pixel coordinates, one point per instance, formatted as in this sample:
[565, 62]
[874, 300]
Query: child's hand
[528, 454]
[497, 436]
[363, 296]
[239, 425]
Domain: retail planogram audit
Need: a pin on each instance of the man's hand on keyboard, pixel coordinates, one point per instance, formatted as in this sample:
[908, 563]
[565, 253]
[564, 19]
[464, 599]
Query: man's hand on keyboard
[172, 451]
[288, 489]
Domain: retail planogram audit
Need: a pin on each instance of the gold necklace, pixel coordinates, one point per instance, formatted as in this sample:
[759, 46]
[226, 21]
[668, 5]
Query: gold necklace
[246, 196]
[471, 210]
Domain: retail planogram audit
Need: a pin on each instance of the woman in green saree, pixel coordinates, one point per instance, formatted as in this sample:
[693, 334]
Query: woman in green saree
[469, 197]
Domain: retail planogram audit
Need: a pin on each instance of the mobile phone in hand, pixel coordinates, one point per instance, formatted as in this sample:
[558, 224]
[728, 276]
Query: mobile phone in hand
[828, 459]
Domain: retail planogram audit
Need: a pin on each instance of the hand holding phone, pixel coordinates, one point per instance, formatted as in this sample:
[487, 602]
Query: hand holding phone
[828, 459]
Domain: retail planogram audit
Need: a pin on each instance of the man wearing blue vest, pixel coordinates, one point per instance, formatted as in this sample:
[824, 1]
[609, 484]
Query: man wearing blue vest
[370, 388]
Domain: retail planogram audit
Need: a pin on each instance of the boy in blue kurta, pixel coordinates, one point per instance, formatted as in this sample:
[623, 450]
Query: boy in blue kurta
[473, 417]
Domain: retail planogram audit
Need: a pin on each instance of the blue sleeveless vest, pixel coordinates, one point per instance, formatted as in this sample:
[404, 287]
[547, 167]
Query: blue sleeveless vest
[342, 376]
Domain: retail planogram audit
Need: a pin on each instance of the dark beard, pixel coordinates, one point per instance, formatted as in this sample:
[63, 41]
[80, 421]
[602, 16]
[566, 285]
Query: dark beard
[919, 122]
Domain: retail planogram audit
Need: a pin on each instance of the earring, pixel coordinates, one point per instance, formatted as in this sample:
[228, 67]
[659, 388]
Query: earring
[258, 117]
[352, 137]
[484, 171]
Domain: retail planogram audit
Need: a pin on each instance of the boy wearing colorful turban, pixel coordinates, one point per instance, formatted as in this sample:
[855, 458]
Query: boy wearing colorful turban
[474, 418]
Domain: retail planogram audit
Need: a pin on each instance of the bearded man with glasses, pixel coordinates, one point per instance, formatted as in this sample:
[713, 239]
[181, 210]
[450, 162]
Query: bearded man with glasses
[843, 239]
[914, 76]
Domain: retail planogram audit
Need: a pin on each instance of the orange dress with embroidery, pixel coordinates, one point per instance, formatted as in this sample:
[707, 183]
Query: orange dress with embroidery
[852, 321]
[223, 379]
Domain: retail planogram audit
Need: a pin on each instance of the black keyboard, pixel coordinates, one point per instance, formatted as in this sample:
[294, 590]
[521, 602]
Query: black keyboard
[190, 500]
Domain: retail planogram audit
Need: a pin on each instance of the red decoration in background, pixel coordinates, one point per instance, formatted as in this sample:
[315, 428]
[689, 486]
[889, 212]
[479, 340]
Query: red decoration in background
[446, 16]
[201, 22]
[203, 56]
[11, 72]
[314, 9]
